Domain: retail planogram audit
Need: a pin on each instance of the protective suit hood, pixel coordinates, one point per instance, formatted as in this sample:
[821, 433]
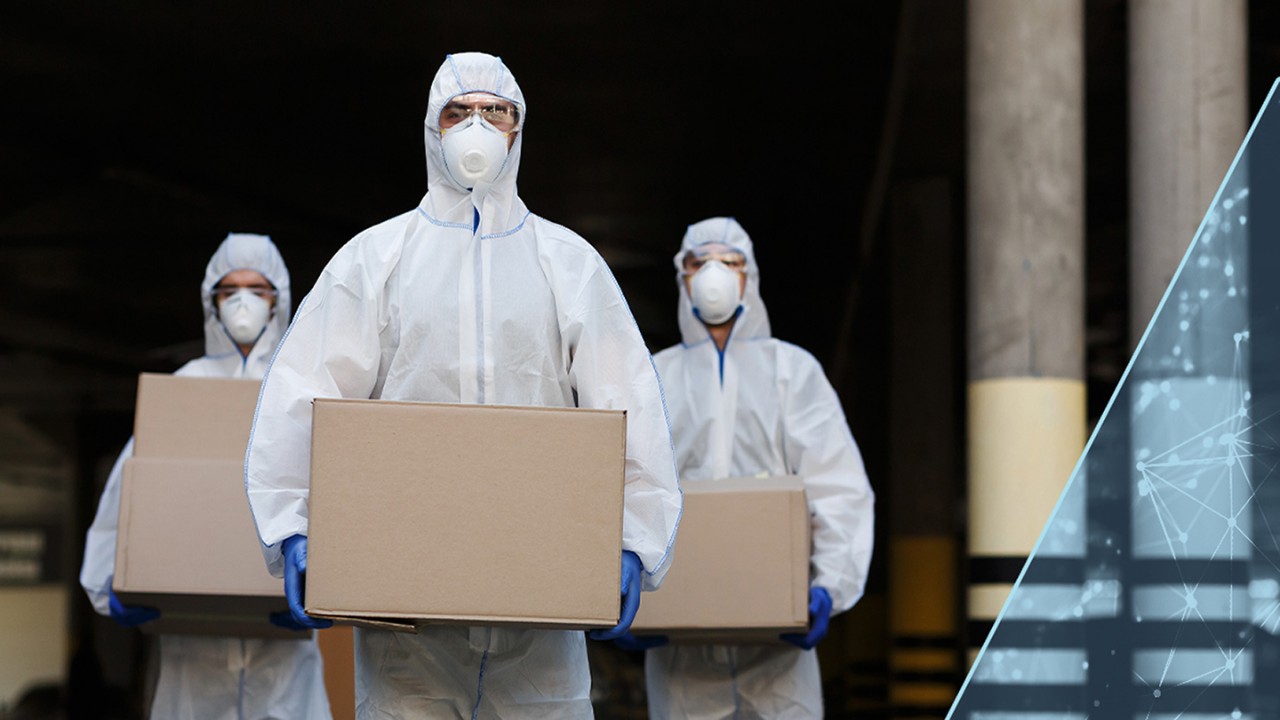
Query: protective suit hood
[244, 251]
[447, 202]
[753, 320]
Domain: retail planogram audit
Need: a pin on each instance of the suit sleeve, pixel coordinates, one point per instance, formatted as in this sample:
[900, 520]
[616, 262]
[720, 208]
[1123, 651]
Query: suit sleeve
[332, 349]
[821, 449]
[100, 542]
[610, 368]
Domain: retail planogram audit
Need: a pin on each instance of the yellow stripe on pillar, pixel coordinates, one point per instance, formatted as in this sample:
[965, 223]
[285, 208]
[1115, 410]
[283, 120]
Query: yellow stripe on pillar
[922, 585]
[922, 661]
[924, 622]
[938, 695]
[1025, 436]
[986, 600]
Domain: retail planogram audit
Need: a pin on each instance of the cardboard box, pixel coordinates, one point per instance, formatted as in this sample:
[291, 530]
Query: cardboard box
[187, 544]
[740, 572]
[194, 418]
[465, 514]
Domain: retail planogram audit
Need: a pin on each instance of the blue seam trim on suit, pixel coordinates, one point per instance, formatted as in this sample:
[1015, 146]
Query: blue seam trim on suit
[441, 223]
[666, 416]
[507, 233]
[736, 314]
[505, 158]
[753, 338]
[671, 443]
[244, 359]
[457, 77]
[484, 660]
[724, 237]
[464, 226]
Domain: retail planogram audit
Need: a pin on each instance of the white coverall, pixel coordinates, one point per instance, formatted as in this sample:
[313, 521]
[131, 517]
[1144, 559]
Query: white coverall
[219, 678]
[762, 407]
[467, 298]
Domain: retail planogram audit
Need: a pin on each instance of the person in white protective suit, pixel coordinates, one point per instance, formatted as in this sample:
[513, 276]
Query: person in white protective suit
[467, 298]
[246, 310]
[746, 404]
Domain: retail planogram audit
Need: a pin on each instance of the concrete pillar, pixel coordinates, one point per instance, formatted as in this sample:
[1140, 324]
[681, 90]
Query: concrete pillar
[1025, 320]
[1187, 106]
[1187, 88]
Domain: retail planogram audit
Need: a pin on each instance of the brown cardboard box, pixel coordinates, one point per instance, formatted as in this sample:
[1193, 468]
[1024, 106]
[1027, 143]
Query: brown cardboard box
[194, 418]
[465, 514]
[187, 544]
[740, 570]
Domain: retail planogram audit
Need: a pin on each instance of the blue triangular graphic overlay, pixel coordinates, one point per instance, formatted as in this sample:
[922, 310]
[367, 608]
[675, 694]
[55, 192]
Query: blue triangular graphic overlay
[1154, 591]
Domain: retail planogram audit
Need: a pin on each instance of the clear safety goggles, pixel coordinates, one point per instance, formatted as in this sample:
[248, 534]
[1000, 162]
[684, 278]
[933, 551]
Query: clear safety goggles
[730, 257]
[222, 292]
[502, 114]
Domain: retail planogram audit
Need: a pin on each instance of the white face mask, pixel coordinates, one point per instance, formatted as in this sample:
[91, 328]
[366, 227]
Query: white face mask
[716, 293]
[245, 316]
[474, 152]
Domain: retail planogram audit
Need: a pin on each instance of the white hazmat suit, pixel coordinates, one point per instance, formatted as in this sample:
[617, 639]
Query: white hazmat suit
[219, 678]
[468, 298]
[762, 407]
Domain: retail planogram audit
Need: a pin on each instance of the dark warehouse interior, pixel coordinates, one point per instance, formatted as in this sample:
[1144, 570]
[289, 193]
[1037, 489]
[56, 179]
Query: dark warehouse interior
[135, 136]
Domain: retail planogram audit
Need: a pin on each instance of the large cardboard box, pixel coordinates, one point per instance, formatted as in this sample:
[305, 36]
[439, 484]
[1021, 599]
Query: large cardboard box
[740, 571]
[187, 544]
[465, 514]
[193, 418]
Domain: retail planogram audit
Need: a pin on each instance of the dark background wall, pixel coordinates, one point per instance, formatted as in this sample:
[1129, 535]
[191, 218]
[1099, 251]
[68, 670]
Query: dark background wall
[134, 136]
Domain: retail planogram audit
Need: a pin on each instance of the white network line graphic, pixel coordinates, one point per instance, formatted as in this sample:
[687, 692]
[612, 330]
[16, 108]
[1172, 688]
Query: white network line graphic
[1195, 490]
[1200, 488]
[1200, 573]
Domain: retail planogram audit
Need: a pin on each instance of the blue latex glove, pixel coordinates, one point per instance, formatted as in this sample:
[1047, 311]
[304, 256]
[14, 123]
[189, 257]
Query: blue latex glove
[295, 570]
[129, 615]
[284, 619]
[634, 643]
[631, 567]
[819, 616]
